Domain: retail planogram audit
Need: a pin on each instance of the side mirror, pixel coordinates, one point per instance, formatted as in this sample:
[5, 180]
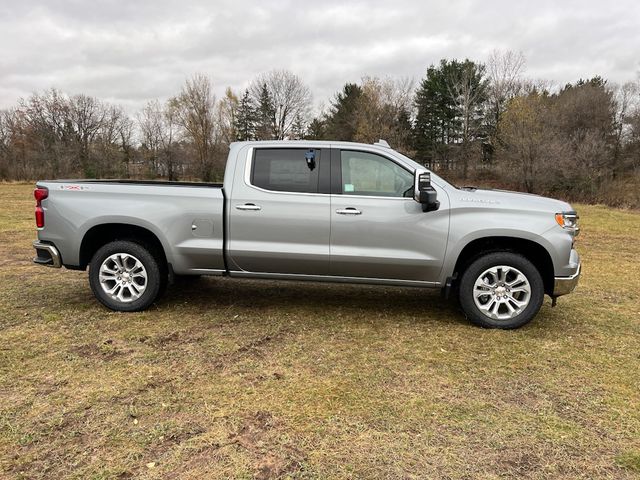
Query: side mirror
[424, 192]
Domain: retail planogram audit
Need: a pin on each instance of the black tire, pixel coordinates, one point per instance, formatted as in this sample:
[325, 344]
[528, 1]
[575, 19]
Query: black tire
[155, 271]
[482, 264]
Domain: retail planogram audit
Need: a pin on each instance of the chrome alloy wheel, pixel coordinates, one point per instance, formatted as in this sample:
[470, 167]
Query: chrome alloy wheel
[501, 292]
[123, 277]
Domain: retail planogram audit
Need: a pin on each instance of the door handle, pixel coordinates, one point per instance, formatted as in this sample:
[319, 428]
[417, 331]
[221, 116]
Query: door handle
[248, 206]
[348, 211]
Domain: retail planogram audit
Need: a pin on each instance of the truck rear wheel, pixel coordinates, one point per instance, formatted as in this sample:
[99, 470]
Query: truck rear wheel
[501, 290]
[125, 276]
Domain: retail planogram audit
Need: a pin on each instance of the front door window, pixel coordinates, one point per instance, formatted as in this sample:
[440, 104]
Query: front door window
[368, 174]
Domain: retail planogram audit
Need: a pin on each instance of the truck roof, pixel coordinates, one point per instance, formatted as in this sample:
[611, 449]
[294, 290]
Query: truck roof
[304, 143]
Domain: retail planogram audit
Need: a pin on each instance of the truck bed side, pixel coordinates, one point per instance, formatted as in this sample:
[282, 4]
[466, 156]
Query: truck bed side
[185, 218]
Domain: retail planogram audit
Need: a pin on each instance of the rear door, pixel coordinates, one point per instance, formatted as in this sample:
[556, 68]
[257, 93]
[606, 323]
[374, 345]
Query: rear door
[377, 229]
[279, 212]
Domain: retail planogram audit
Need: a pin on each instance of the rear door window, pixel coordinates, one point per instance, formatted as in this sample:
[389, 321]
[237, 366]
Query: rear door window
[286, 169]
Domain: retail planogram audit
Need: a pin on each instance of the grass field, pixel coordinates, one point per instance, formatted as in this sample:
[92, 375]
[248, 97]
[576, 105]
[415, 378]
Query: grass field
[244, 379]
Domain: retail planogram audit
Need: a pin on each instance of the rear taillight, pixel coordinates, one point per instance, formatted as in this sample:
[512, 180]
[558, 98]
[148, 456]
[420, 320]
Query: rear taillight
[40, 193]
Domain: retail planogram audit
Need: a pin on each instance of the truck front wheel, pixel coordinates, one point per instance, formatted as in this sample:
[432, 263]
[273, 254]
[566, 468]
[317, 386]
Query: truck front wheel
[125, 276]
[501, 290]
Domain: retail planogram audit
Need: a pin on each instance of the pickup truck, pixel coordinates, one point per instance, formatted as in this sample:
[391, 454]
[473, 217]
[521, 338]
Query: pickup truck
[319, 211]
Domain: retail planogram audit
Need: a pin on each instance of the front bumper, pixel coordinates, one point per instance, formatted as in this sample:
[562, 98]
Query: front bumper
[565, 285]
[47, 255]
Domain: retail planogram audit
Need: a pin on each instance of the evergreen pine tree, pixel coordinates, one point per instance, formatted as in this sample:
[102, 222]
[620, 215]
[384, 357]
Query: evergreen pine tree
[317, 130]
[341, 123]
[245, 120]
[448, 110]
[298, 129]
[265, 125]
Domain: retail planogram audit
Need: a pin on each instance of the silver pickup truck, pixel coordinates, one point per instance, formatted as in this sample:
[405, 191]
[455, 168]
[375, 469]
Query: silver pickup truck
[320, 211]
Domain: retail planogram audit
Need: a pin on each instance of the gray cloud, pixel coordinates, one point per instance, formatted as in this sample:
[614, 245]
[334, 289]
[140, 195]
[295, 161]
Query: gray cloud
[131, 51]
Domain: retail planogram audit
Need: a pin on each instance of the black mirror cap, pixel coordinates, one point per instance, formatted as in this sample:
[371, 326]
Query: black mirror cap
[421, 183]
[429, 200]
[424, 193]
[431, 207]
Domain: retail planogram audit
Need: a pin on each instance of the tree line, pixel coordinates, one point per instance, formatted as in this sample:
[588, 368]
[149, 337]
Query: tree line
[470, 121]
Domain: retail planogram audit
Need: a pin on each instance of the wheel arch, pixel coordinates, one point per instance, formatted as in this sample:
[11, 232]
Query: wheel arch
[531, 250]
[104, 233]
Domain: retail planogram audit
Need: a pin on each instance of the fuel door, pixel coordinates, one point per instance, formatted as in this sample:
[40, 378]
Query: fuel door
[202, 227]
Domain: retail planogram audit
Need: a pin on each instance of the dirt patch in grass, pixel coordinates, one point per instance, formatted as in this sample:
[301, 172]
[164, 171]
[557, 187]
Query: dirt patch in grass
[255, 436]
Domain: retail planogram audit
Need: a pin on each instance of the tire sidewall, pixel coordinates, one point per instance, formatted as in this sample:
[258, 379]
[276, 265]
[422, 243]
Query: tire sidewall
[487, 261]
[154, 276]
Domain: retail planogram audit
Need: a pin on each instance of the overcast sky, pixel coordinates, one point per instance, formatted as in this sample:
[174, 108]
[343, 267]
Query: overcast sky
[129, 51]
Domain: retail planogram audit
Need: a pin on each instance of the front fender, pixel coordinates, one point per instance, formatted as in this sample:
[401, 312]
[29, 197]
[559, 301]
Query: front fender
[475, 223]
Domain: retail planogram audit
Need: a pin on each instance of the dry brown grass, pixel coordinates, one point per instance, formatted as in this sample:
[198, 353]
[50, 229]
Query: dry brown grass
[227, 379]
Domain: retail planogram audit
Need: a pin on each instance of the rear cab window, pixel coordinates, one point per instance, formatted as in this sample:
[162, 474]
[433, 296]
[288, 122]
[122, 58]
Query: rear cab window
[294, 170]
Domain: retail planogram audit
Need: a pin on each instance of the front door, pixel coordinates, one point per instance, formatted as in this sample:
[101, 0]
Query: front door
[279, 217]
[377, 229]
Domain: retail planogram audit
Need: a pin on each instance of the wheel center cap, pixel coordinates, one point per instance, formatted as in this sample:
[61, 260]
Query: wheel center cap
[501, 290]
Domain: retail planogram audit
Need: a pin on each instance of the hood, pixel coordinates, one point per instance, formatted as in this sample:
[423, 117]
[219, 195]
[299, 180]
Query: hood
[507, 199]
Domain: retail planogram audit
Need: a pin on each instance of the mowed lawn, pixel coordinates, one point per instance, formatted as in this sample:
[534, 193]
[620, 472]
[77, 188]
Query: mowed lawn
[248, 379]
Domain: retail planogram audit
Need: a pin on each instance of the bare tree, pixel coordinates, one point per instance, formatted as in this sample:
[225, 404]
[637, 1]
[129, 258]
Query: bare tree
[633, 132]
[47, 118]
[382, 111]
[626, 100]
[151, 127]
[290, 97]
[195, 110]
[112, 143]
[51, 134]
[4, 130]
[168, 140]
[504, 72]
[227, 111]
[5, 144]
[14, 163]
[87, 115]
[125, 128]
[531, 148]
[158, 128]
[563, 142]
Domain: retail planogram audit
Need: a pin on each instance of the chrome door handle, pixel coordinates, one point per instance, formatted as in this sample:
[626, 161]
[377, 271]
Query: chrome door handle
[348, 211]
[248, 206]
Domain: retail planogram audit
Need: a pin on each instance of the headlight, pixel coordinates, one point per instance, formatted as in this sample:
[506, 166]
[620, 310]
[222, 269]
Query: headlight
[568, 221]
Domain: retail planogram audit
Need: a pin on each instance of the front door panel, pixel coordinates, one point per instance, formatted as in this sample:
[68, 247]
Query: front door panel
[390, 238]
[377, 231]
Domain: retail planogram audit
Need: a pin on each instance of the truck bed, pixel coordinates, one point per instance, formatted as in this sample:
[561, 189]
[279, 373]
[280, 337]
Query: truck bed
[186, 218]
